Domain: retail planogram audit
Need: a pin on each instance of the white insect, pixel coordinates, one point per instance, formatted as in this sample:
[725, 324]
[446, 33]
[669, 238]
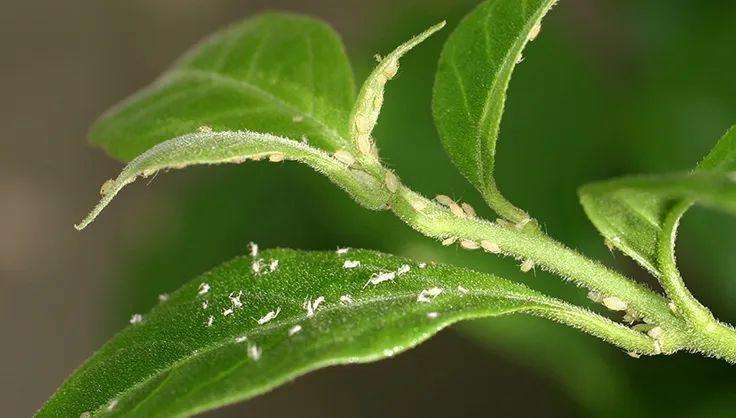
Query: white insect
[276, 157]
[391, 68]
[468, 210]
[535, 32]
[253, 249]
[344, 157]
[113, 403]
[418, 205]
[449, 241]
[269, 316]
[210, 320]
[273, 265]
[527, 265]
[364, 144]
[136, 319]
[422, 265]
[295, 330]
[307, 305]
[469, 245]
[433, 315]
[672, 307]
[342, 251]
[655, 332]
[457, 210]
[615, 304]
[346, 299]
[462, 290]
[362, 124]
[163, 297]
[317, 302]
[657, 347]
[205, 304]
[351, 264]
[392, 183]
[380, 278]
[85, 414]
[228, 311]
[444, 200]
[522, 223]
[235, 299]
[204, 288]
[633, 354]
[426, 295]
[254, 352]
[241, 339]
[595, 296]
[403, 269]
[490, 247]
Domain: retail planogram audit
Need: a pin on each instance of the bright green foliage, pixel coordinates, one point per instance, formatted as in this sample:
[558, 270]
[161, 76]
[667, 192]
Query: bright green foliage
[278, 73]
[208, 147]
[630, 212]
[172, 363]
[470, 87]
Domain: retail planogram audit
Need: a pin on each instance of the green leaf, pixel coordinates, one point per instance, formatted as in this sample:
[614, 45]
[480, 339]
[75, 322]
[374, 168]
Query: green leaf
[279, 73]
[208, 147]
[631, 212]
[173, 364]
[470, 87]
[367, 107]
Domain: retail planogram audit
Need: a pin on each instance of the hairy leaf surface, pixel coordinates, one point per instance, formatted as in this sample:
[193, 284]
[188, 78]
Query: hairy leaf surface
[279, 73]
[173, 364]
[630, 212]
[237, 147]
[470, 86]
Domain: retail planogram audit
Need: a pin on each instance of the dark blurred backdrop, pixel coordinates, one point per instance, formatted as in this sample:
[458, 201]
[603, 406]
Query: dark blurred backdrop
[609, 88]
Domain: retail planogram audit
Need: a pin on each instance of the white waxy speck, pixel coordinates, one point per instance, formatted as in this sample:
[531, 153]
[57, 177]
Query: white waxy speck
[426, 295]
[351, 264]
[210, 320]
[205, 304]
[380, 278]
[253, 249]
[269, 316]
[462, 290]
[346, 299]
[422, 265]
[657, 347]
[595, 296]
[204, 288]
[490, 247]
[276, 157]
[633, 354]
[469, 245]
[235, 299]
[433, 315]
[449, 241]
[341, 251]
[136, 319]
[297, 119]
[295, 330]
[273, 265]
[317, 302]
[526, 266]
[468, 210]
[256, 266]
[228, 311]
[344, 157]
[163, 297]
[403, 269]
[613, 303]
[609, 244]
[254, 352]
[241, 339]
[364, 144]
[672, 307]
[113, 403]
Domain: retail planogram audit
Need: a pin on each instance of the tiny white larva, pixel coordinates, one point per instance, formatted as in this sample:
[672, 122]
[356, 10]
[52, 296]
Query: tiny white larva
[468, 210]
[344, 157]
[527, 265]
[490, 247]
[392, 183]
[469, 245]
[295, 330]
[276, 157]
[615, 304]
[449, 241]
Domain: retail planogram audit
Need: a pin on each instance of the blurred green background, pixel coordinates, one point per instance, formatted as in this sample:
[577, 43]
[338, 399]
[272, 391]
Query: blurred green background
[609, 88]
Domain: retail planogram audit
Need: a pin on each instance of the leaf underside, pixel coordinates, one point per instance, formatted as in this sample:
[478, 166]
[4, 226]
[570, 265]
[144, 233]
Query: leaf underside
[630, 211]
[283, 74]
[471, 82]
[173, 364]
